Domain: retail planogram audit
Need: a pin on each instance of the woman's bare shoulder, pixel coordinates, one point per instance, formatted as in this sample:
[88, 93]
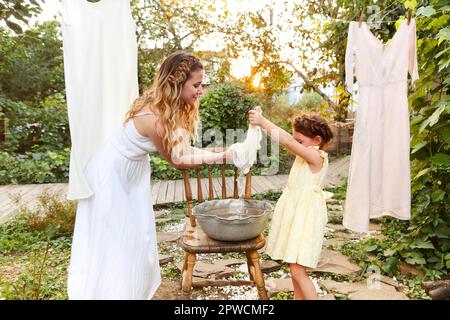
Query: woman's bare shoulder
[148, 125]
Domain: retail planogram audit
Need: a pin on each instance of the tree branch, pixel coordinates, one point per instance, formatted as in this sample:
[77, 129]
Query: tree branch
[171, 26]
[333, 105]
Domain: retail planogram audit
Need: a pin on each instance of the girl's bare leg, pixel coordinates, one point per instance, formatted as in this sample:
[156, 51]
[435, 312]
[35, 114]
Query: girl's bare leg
[307, 288]
[298, 294]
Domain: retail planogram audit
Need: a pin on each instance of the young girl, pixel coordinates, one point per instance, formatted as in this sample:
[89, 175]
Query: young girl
[300, 215]
[114, 253]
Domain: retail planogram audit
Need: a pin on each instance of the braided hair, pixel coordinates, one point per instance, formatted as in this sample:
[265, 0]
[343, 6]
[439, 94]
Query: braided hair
[165, 97]
[313, 126]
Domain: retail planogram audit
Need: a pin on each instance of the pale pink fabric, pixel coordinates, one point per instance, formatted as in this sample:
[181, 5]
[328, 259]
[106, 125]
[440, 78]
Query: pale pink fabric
[379, 176]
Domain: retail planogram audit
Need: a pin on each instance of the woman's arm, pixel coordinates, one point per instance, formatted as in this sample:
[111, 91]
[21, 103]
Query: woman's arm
[280, 136]
[183, 156]
[195, 156]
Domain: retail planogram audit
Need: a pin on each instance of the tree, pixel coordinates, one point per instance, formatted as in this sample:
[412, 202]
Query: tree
[328, 37]
[31, 63]
[165, 26]
[252, 32]
[18, 10]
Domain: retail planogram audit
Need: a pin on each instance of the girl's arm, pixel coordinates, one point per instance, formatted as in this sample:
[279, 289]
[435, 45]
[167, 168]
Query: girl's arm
[280, 136]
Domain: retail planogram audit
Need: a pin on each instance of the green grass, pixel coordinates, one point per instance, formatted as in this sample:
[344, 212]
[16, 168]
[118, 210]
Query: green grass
[283, 295]
[170, 271]
[35, 250]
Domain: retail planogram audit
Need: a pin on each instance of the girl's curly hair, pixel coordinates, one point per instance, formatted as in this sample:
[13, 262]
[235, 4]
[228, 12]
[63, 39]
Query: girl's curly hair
[312, 126]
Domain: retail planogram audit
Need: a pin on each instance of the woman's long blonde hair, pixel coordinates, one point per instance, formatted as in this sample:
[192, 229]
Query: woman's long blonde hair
[164, 98]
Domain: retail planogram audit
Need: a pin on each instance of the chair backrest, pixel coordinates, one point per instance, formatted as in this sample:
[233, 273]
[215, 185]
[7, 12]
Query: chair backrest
[188, 190]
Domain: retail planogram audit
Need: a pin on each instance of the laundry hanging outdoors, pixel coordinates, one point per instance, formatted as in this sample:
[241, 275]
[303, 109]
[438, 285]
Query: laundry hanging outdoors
[379, 177]
[113, 188]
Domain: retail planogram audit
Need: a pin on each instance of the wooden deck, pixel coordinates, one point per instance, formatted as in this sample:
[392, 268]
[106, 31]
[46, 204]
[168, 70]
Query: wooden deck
[163, 192]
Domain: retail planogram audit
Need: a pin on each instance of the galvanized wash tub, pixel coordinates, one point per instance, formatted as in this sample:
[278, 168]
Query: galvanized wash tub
[233, 219]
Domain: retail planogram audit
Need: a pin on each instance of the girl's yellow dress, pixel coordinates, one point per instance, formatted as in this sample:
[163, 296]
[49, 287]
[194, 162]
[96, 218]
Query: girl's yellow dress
[300, 215]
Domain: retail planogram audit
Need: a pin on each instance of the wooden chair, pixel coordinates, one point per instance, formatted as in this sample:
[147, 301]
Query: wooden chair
[194, 240]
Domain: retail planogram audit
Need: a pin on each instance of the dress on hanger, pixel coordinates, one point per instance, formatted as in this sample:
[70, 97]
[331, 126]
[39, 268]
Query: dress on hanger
[379, 174]
[100, 67]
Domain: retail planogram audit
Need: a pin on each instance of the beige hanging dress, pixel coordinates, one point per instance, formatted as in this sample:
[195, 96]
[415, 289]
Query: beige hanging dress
[379, 174]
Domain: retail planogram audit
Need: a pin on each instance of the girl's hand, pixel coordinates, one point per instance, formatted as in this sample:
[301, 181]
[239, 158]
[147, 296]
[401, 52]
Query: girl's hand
[258, 108]
[255, 117]
[228, 156]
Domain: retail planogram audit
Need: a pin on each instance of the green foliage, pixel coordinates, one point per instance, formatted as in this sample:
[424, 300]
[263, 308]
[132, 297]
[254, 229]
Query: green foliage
[328, 38]
[310, 101]
[35, 128]
[339, 193]
[13, 11]
[280, 112]
[173, 25]
[283, 295]
[34, 167]
[37, 244]
[170, 271]
[31, 64]
[225, 106]
[42, 272]
[270, 195]
[425, 239]
[50, 220]
[37, 138]
[162, 170]
[253, 32]
[415, 290]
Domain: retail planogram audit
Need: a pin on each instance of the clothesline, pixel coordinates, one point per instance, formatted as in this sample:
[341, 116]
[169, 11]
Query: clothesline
[380, 14]
[368, 22]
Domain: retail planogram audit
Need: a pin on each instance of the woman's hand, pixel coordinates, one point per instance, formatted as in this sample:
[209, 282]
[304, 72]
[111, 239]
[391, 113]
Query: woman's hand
[255, 116]
[228, 157]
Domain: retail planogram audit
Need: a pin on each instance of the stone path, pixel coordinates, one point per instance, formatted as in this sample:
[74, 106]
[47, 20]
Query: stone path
[336, 276]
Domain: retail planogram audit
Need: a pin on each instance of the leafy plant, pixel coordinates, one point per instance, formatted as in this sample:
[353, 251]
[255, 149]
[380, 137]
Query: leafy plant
[425, 239]
[49, 220]
[311, 101]
[225, 106]
[37, 242]
[18, 10]
[283, 295]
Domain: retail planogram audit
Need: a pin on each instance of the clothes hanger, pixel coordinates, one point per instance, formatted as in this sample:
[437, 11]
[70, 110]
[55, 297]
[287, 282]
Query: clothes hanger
[409, 16]
[360, 17]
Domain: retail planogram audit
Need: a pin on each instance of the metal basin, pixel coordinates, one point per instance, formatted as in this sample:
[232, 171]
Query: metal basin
[233, 219]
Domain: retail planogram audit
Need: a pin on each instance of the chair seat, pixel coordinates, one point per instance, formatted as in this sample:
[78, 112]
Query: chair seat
[195, 240]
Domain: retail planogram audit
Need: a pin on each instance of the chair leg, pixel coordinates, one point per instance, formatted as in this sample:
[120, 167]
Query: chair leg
[185, 262]
[259, 278]
[188, 270]
[250, 266]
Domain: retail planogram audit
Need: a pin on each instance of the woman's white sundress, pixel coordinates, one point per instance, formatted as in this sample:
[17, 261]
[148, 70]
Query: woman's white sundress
[114, 250]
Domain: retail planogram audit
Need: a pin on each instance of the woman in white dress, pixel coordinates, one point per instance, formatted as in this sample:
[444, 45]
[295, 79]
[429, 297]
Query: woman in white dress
[114, 252]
